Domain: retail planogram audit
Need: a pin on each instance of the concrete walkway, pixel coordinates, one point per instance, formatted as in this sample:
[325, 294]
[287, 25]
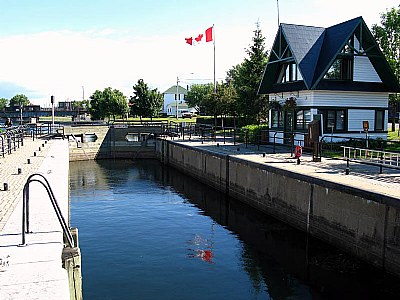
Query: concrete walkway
[34, 271]
[365, 177]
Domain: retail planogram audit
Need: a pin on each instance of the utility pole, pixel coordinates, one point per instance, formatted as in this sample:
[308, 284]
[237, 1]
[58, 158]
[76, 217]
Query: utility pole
[177, 96]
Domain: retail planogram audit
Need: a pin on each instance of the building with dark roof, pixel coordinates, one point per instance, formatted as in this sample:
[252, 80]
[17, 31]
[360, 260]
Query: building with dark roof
[337, 75]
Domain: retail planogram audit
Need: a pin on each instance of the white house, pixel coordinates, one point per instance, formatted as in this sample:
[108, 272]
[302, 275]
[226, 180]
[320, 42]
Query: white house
[337, 75]
[173, 97]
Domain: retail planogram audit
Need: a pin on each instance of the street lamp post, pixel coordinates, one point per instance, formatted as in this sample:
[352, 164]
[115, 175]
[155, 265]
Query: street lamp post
[52, 113]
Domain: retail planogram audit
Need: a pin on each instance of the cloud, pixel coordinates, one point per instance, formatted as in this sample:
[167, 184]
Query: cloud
[60, 63]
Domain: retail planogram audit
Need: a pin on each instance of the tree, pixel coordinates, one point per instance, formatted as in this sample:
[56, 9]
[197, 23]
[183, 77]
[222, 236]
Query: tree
[80, 105]
[145, 102]
[246, 77]
[19, 100]
[107, 103]
[223, 101]
[199, 95]
[387, 36]
[3, 104]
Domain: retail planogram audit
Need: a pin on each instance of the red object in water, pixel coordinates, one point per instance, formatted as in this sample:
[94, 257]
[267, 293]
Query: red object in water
[205, 255]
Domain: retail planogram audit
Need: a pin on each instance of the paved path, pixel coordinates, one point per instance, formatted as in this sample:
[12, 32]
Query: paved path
[361, 176]
[34, 271]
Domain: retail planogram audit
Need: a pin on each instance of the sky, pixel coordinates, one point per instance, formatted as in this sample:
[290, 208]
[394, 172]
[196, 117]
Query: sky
[71, 48]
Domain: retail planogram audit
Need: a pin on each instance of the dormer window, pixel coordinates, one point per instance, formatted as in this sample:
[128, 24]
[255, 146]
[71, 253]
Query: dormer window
[289, 73]
[341, 69]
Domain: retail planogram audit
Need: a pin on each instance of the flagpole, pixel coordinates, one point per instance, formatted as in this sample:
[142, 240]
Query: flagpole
[215, 86]
[277, 5]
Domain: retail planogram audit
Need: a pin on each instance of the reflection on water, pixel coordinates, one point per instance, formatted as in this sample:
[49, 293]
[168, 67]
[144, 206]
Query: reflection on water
[150, 232]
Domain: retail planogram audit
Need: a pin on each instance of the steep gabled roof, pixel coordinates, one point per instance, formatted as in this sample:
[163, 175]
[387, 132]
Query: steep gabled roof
[172, 90]
[314, 49]
[305, 43]
[334, 40]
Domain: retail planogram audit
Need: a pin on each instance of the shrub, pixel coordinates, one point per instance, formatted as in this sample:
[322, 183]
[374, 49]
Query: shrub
[253, 132]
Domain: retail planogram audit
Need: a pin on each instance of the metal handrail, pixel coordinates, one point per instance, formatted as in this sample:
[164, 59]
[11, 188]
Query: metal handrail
[77, 143]
[379, 156]
[25, 209]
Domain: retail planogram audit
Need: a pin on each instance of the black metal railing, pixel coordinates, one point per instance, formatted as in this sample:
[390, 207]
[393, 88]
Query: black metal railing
[25, 208]
[11, 139]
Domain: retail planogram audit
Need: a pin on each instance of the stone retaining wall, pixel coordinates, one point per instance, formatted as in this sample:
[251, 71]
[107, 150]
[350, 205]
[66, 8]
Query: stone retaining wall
[362, 223]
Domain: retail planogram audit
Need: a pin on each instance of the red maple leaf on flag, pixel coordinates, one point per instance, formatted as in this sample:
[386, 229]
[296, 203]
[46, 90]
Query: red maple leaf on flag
[199, 37]
[189, 41]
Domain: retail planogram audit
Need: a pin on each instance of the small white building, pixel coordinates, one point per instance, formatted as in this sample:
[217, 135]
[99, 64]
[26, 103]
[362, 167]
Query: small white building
[337, 75]
[173, 97]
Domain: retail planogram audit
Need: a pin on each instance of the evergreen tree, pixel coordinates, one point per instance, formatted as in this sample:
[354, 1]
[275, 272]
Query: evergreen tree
[246, 78]
[145, 102]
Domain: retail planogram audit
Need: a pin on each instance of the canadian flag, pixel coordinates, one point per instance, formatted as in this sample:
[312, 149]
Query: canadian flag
[209, 37]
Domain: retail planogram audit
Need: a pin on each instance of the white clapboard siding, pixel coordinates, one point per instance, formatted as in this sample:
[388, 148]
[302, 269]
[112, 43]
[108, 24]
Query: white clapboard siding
[357, 116]
[348, 99]
[364, 71]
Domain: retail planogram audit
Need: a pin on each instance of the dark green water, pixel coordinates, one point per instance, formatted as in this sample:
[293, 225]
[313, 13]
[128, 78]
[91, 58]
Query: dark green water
[149, 232]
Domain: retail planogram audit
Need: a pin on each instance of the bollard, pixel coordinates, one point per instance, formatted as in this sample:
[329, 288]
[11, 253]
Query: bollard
[298, 160]
[19, 171]
[264, 154]
[29, 161]
[217, 144]
[42, 145]
[34, 153]
[39, 149]
[348, 167]
[45, 142]
[5, 186]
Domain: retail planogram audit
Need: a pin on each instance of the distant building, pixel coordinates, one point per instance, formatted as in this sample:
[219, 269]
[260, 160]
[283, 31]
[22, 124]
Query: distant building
[30, 107]
[174, 97]
[65, 105]
[337, 75]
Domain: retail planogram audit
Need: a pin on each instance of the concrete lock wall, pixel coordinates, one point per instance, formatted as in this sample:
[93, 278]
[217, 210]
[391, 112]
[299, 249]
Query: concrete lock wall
[100, 142]
[360, 222]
